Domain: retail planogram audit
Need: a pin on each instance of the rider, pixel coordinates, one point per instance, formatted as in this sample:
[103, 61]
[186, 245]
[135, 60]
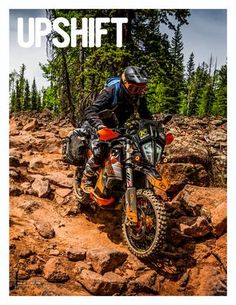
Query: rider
[130, 96]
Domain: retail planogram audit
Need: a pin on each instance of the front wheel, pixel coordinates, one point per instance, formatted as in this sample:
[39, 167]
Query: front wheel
[148, 235]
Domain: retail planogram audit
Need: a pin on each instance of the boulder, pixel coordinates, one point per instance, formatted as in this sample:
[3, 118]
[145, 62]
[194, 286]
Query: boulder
[104, 259]
[220, 250]
[79, 266]
[25, 251]
[55, 271]
[76, 254]
[219, 219]
[45, 229]
[13, 127]
[196, 200]
[63, 192]
[187, 150]
[218, 136]
[54, 252]
[108, 284]
[14, 173]
[144, 283]
[15, 191]
[194, 226]
[60, 179]
[14, 161]
[36, 163]
[32, 125]
[180, 174]
[41, 187]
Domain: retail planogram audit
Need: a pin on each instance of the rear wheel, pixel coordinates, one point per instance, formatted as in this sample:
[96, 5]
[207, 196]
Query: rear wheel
[148, 235]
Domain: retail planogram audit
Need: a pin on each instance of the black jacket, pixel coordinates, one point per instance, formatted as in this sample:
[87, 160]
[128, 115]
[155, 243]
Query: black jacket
[123, 109]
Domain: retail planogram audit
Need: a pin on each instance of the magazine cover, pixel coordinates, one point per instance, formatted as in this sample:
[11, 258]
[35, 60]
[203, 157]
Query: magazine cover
[117, 152]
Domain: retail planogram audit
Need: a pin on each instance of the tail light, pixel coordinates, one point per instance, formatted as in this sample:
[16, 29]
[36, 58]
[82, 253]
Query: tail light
[169, 138]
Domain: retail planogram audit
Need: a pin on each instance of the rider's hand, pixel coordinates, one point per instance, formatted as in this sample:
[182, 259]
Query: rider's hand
[106, 134]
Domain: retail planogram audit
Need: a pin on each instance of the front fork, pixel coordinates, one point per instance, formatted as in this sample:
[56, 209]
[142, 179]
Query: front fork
[130, 195]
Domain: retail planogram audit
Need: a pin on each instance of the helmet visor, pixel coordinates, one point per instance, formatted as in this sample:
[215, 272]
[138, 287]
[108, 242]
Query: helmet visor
[134, 88]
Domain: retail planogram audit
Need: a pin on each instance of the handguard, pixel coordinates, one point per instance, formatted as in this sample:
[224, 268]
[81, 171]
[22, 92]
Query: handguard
[106, 134]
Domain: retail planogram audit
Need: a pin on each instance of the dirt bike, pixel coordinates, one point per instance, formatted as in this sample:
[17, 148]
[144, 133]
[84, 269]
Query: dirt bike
[129, 177]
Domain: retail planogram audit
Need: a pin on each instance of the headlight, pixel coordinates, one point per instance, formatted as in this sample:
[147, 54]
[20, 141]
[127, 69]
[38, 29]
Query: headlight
[149, 154]
[147, 148]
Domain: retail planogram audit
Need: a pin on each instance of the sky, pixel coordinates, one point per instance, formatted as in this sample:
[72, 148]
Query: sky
[205, 35]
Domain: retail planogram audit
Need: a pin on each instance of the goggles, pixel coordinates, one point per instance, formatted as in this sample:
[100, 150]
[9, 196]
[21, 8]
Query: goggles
[133, 88]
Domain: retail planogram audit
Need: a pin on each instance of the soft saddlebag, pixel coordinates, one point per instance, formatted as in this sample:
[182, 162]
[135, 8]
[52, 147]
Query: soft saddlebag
[74, 147]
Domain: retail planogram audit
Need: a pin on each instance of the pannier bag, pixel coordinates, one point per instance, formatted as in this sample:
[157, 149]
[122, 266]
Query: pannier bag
[74, 147]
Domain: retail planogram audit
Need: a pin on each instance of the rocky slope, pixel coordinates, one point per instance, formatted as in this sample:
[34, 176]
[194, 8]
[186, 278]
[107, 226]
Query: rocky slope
[57, 250]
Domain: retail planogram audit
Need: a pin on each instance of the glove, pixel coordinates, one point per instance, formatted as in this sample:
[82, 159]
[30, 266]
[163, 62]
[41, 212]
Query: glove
[106, 134]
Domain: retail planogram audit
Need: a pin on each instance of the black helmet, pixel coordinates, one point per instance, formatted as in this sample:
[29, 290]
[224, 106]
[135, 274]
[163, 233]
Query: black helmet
[134, 80]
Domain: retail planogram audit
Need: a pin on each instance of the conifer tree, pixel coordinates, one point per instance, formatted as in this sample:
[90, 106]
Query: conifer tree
[34, 96]
[219, 106]
[177, 81]
[27, 99]
[13, 101]
[190, 67]
[18, 105]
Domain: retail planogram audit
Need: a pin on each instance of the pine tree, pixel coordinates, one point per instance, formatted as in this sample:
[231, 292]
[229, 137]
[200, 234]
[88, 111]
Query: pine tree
[190, 67]
[177, 81]
[13, 101]
[22, 84]
[18, 105]
[219, 106]
[34, 96]
[27, 100]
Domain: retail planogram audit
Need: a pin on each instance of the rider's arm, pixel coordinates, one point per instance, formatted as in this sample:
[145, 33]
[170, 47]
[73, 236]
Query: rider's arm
[102, 102]
[143, 111]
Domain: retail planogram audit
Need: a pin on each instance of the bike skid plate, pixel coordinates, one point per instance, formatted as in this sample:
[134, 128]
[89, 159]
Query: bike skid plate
[99, 200]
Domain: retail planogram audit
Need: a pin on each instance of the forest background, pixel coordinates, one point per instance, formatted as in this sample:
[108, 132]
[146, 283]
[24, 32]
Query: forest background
[76, 75]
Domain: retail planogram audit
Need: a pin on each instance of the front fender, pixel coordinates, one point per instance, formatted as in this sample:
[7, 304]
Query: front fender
[159, 183]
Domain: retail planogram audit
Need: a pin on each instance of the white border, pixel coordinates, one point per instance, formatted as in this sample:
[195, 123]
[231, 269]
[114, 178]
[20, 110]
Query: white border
[4, 30]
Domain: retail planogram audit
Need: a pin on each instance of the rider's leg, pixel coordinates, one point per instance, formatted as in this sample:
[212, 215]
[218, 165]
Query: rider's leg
[93, 164]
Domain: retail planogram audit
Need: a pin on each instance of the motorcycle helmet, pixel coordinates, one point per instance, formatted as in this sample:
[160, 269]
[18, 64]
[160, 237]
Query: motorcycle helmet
[134, 81]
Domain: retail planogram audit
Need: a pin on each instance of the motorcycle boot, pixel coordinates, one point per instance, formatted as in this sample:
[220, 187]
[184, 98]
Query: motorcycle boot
[87, 183]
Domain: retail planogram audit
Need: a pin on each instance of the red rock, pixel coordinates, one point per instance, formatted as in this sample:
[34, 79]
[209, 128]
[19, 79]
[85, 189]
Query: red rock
[79, 266]
[219, 219]
[54, 271]
[104, 260]
[60, 179]
[36, 163]
[15, 191]
[199, 200]
[108, 284]
[31, 125]
[45, 229]
[180, 174]
[76, 254]
[184, 150]
[41, 187]
[63, 192]
[220, 250]
[145, 282]
[194, 226]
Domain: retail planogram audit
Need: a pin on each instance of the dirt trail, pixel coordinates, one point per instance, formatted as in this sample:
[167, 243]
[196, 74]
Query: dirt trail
[55, 249]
